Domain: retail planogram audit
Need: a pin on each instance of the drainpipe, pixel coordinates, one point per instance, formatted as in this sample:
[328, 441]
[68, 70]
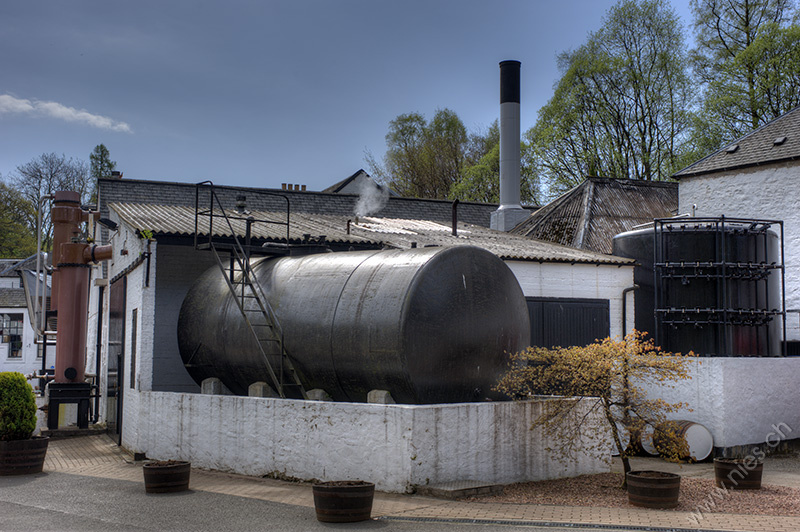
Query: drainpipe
[625, 308]
[98, 347]
[39, 267]
[41, 278]
[455, 217]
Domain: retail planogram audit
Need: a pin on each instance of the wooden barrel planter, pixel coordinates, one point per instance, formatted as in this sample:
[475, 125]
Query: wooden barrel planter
[23, 457]
[166, 477]
[343, 501]
[653, 489]
[738, 474]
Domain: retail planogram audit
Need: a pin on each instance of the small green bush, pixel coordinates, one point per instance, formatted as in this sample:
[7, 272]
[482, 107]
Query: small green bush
[17, 407]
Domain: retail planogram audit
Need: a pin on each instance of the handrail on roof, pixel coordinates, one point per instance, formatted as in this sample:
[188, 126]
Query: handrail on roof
[210, 213]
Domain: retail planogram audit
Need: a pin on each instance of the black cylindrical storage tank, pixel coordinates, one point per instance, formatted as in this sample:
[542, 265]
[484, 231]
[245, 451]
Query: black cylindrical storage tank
[712, 286]
[429, 325]
[638, 245]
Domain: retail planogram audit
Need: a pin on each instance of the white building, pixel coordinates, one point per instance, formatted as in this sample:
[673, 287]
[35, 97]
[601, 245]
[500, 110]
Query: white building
[19, 348]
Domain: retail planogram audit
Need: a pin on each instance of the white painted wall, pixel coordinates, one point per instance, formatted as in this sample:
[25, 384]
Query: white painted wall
[138, 296]
[769, 192]
[579, 281]
[739, 399]
[395, 446]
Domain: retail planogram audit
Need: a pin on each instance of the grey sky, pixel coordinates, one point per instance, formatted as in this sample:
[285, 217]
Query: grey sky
[256, 93]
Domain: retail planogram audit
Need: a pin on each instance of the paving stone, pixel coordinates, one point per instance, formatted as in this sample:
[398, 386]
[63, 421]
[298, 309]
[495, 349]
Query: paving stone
[99, 456]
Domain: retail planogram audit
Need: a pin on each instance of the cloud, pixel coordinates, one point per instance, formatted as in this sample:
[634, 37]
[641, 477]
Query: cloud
[10, 104]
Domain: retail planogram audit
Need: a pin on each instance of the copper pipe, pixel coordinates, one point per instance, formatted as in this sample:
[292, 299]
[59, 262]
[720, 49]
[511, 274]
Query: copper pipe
[95, 254]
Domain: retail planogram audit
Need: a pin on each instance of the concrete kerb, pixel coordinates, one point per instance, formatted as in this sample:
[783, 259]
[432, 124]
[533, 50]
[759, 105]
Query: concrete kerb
[99, 456]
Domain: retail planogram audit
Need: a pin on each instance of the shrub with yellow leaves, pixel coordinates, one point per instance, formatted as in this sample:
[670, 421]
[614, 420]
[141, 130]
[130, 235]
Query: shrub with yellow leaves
[611, 375]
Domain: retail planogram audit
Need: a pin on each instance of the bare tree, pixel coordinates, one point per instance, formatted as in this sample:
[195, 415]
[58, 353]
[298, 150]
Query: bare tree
[45, 175]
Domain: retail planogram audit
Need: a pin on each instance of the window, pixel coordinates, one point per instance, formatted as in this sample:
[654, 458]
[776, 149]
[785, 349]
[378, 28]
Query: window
[11, 333]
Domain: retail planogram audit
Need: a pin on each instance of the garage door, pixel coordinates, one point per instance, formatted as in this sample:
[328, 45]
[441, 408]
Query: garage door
[567, 322]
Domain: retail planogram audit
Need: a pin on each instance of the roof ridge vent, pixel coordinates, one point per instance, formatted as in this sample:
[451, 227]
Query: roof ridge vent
[733, 148]
[778, 141]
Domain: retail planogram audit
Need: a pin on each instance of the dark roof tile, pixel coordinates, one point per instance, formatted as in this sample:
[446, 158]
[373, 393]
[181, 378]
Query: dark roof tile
[754, 149]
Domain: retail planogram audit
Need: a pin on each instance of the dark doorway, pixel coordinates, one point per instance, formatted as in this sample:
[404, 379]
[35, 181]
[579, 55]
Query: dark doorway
[116, 355]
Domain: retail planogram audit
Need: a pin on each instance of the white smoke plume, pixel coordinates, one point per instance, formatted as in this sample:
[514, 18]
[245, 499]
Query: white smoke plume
[371, 197]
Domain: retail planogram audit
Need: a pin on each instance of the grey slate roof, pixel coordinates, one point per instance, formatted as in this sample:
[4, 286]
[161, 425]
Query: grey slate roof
[8, 267]
[337, 187]
[12, 267]
[754, 149]
[12, 298]
[591, 214]
[374, 232]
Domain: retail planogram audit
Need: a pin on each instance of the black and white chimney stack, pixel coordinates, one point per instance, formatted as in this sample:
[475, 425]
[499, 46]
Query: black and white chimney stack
[510, 213]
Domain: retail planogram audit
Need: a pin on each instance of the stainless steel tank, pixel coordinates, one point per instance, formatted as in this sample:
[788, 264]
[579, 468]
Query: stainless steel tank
[429, 325]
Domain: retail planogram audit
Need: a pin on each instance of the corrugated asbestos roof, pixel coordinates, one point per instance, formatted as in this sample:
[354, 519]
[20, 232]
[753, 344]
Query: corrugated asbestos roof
[591, 214]
[179, 220]
[378, 232]
[775, 142]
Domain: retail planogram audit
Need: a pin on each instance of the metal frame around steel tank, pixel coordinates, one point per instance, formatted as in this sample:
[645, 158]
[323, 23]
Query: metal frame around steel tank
[709, 285]
[429, 325]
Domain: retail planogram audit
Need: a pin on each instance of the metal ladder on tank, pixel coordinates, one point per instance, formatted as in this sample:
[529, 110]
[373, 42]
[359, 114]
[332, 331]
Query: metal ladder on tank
[249, 296]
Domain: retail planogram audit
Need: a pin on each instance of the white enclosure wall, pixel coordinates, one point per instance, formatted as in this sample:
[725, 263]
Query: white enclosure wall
[585, 281]
[740, 400]
[770, 192]
[395, 446]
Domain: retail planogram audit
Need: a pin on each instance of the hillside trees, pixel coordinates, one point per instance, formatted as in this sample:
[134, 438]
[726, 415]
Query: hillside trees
[621, 106]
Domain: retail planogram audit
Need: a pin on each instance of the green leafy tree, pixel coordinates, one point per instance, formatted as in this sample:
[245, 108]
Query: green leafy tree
[610, 376]
[423, 159]
[46, 175]
[16, 236]
[440, 159]
[622, 106]
[746, 57]
[481, 181]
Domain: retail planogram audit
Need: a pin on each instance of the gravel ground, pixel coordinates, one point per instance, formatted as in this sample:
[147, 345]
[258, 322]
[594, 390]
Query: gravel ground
[603, 490]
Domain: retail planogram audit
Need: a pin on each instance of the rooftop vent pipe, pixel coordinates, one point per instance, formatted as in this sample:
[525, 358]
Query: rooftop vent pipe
[510, 213]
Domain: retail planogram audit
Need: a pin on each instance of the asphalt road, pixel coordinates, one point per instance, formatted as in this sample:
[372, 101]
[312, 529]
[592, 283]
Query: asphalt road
[63, 502]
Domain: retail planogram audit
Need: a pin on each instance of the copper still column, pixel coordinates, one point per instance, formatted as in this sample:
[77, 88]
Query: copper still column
[73, 257]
